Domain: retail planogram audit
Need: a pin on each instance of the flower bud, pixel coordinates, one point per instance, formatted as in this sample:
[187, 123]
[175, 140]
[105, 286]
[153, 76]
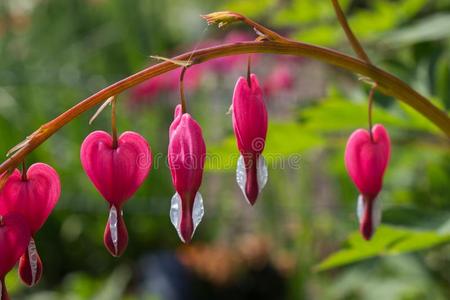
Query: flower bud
[250, 128]
[186, 157]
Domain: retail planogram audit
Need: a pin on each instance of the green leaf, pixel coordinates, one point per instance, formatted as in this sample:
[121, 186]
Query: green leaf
[435, 27]
[283, 139]
[388, 240]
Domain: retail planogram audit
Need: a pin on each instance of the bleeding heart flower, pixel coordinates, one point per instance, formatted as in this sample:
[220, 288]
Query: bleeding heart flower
[187, 153]
[33, 196]
[366, 161]
[250, 129]
[117, 173]
[15, 235]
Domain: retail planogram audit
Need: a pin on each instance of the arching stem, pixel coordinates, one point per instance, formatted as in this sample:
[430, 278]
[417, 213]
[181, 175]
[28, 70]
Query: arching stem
[387, 84]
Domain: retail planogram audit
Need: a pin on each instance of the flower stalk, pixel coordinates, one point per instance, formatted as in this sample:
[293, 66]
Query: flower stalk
[273, 44]
[356, 45]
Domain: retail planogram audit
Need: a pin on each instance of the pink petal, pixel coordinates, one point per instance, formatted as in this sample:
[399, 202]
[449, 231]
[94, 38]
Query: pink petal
[34, 198]
[249, 116]
[116, 173]
[366, 161]
[15, 234]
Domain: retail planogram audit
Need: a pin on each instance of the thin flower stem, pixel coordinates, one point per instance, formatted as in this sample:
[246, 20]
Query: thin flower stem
[387, 84]
[24, 170]
[114, 123]
[182, 97]
[249, 67]
[356, 45]
[371, 94]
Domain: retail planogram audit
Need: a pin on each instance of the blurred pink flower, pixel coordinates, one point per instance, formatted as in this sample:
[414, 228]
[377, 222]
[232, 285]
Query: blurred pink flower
[281, 78]
[169, 82]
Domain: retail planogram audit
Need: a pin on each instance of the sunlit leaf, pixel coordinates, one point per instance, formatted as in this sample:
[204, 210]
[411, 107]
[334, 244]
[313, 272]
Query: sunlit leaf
[387, 241]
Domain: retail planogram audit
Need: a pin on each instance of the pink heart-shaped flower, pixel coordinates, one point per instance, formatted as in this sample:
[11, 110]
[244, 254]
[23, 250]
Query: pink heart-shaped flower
[366, 159]
[15, 234]
[34, 197]
[116, 173]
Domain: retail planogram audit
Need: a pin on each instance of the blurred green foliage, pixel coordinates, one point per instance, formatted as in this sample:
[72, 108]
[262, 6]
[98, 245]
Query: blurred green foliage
[55, 53]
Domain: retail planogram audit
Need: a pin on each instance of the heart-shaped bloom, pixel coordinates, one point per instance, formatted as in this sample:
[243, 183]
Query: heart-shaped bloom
[186, 158]
[117, 173]
[15, 235]
[250, 129]
[366, 161]
[33, 196]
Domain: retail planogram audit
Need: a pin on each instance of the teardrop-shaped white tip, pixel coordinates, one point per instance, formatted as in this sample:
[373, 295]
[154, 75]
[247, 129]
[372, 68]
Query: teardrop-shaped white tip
[241, 175]
[360, 208]
[113, 220]
[33, 257]
[261, 172]
[376, 211]
[175, 211]
[198, 212]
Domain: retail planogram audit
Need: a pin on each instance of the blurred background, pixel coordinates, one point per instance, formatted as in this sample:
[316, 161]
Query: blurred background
[300, 241]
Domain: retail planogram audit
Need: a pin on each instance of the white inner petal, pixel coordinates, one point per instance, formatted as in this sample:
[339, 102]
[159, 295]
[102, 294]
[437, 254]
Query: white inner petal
[262, 173]
[241, 175]
[175, 213]
[376, 214]
[376, 211]
[360, 208]
[198, 211]
[113, 219]
[33, 257]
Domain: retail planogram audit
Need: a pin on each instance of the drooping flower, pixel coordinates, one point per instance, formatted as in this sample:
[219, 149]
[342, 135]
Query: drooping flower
[32, 195]
[117, 173]
[366, 161]
[15, 235]
[186, 156]
[250, 128]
